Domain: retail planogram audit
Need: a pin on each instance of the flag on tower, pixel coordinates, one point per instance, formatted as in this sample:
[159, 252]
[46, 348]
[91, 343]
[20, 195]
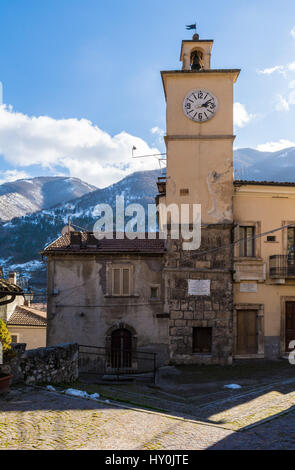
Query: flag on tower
[191, 26]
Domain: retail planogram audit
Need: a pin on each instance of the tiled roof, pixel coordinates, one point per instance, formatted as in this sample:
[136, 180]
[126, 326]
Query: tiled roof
[89, 245]
[6, 286]
[41, 307]
[262, 183]
[27, 316]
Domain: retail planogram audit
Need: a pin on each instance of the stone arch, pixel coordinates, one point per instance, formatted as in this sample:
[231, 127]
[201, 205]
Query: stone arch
[127, 359]
[119, 326]
[201, 55]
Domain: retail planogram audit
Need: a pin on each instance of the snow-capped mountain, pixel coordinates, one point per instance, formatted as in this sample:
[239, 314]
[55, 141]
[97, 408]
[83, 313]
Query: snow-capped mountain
[27, 196]
[251, 164]
[48, 202]
[22, 238]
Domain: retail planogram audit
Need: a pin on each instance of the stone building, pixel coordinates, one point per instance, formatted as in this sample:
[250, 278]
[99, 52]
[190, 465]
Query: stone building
[231, 297]
[25, 324]
[264, 269]
[104, 292]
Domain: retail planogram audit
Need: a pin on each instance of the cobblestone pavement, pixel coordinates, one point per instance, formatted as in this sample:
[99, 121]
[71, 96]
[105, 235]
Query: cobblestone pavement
[230, 409]
[38, 419]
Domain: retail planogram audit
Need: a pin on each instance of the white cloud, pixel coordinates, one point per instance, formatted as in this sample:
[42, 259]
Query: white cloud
[292, 32]
[275, 146]
[157, 130]
[159, 133]
[282, 104]
[12, 175]
[76, 144]
[241, 116]
[269, 71]
[283, 69]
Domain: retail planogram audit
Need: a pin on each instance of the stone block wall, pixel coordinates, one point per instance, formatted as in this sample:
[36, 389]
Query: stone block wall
[214, 311]
[55, 364]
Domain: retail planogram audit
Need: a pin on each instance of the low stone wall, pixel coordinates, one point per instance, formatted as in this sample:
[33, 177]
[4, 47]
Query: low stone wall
[55, 364]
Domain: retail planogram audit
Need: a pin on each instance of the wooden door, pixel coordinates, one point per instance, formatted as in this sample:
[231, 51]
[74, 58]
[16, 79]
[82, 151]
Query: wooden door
[290, 323]
[121, 348]
[247, 332]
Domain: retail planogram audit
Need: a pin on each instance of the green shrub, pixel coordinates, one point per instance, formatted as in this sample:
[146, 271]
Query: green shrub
[5, 337]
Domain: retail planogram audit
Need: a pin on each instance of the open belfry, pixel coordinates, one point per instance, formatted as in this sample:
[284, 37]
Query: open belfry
[199, 140]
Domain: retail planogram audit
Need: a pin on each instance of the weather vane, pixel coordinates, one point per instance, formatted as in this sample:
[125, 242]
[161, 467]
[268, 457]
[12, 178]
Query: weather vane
[191, 26]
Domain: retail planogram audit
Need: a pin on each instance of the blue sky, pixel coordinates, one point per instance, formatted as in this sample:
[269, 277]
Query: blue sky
[91, 69]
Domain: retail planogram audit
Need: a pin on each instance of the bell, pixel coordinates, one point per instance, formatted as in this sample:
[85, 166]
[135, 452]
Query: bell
[196, 62]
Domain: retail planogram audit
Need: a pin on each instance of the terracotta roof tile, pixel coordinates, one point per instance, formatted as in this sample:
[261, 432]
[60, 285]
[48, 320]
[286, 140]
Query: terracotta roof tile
[6, 286]
[27, 316]
[146, 245]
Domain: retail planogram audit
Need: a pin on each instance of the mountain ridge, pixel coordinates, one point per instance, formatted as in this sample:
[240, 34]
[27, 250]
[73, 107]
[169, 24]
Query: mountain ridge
[25, 196]
[22, 237]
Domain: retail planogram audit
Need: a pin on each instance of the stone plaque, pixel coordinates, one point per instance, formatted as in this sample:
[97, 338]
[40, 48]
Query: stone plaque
[198, 287]
[248, 287]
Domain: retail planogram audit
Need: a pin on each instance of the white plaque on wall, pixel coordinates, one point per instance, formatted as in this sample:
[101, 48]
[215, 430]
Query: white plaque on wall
[198, 287]
[248, 287]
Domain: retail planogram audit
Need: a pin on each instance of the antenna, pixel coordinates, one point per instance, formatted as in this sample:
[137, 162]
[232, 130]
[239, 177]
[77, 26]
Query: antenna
[144, 156]
[155, 155]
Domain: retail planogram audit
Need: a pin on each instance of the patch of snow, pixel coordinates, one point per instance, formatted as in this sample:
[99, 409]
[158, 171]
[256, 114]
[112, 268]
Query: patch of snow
[232, 386]
[81, 393]
[76, 393]
[50, 388]
[4, 261]
[29, 266]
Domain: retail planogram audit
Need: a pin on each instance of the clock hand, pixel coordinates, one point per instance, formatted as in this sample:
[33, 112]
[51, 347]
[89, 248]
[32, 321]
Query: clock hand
[204, 105]
[207, 103]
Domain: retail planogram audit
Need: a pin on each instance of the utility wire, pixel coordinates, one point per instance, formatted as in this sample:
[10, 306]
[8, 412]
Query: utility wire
[242, 240]
[202, 253]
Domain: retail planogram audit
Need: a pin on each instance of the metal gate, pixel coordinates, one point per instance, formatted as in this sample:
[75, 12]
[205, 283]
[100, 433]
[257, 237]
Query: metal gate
[116, 362]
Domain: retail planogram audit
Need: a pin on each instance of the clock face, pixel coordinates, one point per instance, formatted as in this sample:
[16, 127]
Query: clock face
[200, 105]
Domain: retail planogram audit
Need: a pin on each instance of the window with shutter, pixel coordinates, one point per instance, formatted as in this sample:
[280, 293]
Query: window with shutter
[126, 275]
[120, 279]
[247, 242]
[116, 281]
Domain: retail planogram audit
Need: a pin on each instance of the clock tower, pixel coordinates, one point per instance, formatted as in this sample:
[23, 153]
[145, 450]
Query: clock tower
[199, 141]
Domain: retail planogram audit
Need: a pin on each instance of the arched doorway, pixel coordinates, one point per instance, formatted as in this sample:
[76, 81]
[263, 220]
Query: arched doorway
[121, 348]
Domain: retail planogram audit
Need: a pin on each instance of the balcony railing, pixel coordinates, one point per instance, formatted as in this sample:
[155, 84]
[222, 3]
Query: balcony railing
[281, 266]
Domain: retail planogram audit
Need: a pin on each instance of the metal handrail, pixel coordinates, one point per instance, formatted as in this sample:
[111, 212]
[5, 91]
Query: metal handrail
[116, 361]
[118, 349]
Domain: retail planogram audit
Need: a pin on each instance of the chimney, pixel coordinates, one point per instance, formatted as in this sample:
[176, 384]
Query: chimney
[76, 239]
[92, 241]
[12, 277]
